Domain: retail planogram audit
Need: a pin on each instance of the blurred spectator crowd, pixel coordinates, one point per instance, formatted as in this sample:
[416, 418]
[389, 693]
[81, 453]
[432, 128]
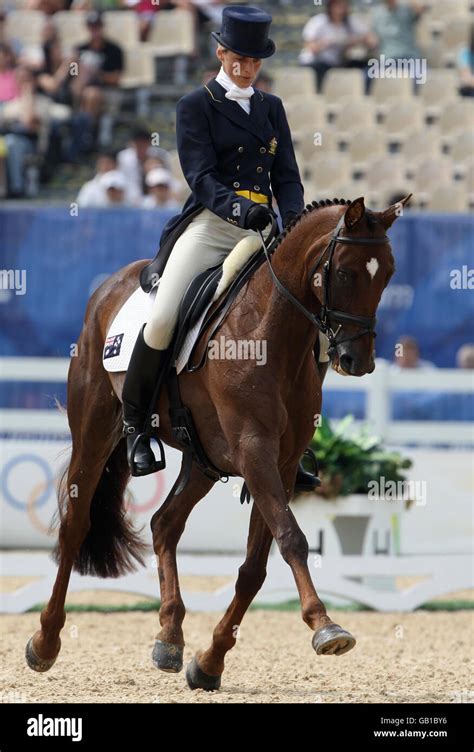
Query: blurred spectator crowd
[68, 66]
[138, 175]
[57, 105]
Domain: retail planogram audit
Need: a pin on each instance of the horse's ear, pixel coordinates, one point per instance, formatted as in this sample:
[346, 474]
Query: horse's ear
[389, 216]
[354, 212]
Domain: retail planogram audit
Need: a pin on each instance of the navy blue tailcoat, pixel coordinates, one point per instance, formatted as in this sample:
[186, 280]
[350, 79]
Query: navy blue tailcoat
[222, 149]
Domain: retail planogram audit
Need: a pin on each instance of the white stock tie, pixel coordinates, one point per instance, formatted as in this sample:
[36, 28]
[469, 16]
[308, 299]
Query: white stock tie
[235, 93]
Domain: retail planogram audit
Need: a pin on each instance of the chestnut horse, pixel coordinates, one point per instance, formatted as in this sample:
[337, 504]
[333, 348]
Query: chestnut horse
[253, 422]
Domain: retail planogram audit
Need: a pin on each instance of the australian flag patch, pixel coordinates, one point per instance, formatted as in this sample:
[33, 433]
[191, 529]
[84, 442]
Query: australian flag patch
[112, 346]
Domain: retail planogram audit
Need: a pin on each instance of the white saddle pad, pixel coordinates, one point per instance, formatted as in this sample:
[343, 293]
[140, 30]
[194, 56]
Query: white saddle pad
[125, 327]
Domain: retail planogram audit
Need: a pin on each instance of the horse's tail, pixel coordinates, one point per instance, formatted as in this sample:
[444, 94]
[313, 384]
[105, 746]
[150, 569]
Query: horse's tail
[112, 546]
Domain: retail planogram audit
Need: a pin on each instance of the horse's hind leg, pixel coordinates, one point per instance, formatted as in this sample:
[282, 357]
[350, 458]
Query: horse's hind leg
[44, 646]
[167, 525]
[204, 671]
[92, 414]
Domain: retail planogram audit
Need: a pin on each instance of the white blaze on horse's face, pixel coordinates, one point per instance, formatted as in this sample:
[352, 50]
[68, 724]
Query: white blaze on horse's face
[372, 267]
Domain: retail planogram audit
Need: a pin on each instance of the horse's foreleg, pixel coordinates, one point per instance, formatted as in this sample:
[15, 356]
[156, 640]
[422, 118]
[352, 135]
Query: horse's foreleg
[270, 492]
[205, 670]
[167, 525]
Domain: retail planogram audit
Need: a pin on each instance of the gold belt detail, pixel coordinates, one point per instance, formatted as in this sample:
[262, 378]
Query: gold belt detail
[259, 198]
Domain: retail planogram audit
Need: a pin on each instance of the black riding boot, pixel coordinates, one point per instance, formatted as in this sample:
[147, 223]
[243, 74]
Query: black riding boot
[307, 482]
[137, 394]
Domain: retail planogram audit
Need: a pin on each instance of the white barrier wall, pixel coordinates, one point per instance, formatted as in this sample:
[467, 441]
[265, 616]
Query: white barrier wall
[28, 478]
[440, 523]
[31, 463]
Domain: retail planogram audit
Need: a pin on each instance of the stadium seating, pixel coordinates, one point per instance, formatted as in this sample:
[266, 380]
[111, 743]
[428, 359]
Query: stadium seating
[26, 26]
[123, 27]
[430, 173]
[139, 68]
[462, 147]
[322, 140]
[399, 136]
[306, 115]
[340, 83]
[329, 169]
[354, 114]
[440, 87]
[401, 117]
[293, 83]
[386, 90]
[455, 34]
[421, 142]
[447, 198]
[365, 144]
[468, 183]
[172, 34]
[71, 27]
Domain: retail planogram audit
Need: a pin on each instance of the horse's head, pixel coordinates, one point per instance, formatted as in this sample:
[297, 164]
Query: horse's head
[348, 273]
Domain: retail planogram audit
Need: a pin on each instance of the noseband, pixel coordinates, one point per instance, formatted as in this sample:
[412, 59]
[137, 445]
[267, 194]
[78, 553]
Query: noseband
[327, 315]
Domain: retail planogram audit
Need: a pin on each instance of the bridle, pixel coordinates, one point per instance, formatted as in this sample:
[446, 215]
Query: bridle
[327, 315]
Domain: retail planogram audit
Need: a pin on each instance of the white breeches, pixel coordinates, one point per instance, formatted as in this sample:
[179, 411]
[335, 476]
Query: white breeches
[205, 242]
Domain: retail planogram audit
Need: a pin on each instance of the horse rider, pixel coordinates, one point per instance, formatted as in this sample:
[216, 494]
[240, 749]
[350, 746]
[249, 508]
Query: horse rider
[235, 148]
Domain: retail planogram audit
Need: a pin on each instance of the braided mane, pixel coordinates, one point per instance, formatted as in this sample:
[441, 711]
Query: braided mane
[307, 210]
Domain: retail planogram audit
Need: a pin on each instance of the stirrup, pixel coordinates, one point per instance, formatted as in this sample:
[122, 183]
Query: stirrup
[307, 482]
[156, 466]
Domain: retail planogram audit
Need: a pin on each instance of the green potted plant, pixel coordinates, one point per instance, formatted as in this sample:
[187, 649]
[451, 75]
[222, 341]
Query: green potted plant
[349, 461]
[363, 494]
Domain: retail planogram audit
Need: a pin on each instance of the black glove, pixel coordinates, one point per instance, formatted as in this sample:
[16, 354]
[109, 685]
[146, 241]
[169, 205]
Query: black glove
[288, 218]
[258, 217]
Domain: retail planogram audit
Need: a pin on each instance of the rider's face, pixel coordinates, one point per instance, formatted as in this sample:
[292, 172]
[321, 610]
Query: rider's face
[242, 70]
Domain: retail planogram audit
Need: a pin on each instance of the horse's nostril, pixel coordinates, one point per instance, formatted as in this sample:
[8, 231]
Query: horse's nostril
[346, 363]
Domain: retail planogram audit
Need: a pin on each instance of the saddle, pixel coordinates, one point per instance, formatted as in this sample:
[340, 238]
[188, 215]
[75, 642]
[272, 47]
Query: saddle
[197, 299]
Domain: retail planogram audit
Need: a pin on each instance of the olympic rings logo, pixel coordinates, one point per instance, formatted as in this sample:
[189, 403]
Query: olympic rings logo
[38, 495]
[153, 502]
[40, 492]
[11, 464]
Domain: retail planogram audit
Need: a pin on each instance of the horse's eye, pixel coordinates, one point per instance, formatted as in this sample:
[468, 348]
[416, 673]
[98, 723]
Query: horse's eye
[343, 276]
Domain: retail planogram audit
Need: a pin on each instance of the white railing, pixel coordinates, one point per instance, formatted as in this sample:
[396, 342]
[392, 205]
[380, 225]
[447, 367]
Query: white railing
[336, 577]
[384, 381]
[377, 386]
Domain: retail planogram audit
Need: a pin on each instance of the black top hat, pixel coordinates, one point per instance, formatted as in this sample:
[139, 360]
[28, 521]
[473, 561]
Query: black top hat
[244, 30]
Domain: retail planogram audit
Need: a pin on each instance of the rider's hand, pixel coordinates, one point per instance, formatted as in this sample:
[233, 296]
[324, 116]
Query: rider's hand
[258, 217]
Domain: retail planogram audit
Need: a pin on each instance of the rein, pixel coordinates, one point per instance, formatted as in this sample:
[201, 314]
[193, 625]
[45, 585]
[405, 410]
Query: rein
[323, 320]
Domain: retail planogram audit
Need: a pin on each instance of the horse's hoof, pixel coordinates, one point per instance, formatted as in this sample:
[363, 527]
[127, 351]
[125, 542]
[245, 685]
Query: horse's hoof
[168, 657]
[197, 679]
[35, 662]
[332, 640]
